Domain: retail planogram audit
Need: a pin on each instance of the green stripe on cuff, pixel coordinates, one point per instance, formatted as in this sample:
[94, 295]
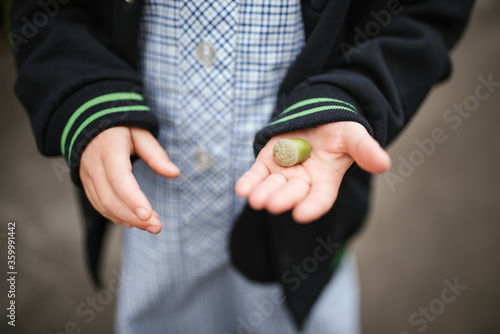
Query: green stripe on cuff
[98, 115]
[315, 100]
[98, 100]
[310, 111]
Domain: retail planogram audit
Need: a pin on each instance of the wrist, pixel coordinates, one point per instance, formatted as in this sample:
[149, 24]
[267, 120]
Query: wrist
[92, 110]
[311, 106]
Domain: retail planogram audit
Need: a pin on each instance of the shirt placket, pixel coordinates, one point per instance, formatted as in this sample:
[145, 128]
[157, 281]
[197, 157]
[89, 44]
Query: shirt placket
[207, 31]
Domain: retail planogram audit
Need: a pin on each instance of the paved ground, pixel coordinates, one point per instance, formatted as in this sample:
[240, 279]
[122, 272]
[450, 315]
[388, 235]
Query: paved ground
[439, 227]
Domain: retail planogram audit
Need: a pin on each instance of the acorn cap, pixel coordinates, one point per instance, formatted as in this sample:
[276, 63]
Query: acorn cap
[289, 152]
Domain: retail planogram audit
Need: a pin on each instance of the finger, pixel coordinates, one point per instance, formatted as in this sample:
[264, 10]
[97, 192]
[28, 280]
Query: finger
[89, 190]
[286, 197]
[367, 152]
[94, 200]
[265, 189]
[321, 197]
[124, 225]
[147, 147]
[118, 169]
[92, 195]
[253, 177]
[116, 208]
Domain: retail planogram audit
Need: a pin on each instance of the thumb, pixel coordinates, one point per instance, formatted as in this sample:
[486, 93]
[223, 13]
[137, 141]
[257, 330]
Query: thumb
[147, 147]
[366, 151]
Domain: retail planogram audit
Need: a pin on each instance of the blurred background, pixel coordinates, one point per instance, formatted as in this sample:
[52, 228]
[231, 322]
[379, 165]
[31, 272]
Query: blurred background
[428, 256]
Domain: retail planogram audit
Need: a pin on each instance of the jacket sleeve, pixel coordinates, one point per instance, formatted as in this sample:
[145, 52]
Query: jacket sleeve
[373, 64]
[70, 81]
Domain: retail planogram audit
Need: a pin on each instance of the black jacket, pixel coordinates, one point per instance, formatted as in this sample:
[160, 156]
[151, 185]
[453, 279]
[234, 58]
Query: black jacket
[381, 57]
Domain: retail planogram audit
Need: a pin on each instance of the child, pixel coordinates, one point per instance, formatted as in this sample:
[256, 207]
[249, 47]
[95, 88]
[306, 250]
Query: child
[186, 86]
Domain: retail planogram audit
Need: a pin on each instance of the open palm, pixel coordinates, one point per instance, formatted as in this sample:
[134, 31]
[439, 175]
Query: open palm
[310, 188]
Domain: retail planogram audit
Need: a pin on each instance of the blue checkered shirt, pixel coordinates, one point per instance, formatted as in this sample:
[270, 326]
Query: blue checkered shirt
[211, 71]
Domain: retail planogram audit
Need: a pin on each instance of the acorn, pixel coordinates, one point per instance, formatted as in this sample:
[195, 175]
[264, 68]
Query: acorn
[289, 152]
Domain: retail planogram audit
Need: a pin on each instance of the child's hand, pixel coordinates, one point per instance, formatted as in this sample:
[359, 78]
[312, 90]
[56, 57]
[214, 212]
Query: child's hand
[106, 174]
[310, 188]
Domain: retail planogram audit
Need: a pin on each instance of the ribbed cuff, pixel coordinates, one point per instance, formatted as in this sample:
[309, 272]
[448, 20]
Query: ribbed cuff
[309, 107]
[90, 111]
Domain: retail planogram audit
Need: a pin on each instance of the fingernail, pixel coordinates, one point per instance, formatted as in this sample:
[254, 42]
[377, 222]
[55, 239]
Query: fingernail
[155, 229]
[142, 213]
[127, 225]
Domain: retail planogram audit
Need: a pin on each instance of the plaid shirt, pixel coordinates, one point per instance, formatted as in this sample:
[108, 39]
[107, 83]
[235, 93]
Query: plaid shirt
[211, 71]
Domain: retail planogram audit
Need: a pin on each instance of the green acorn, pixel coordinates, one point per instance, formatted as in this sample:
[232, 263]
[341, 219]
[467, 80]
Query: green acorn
[289, 152]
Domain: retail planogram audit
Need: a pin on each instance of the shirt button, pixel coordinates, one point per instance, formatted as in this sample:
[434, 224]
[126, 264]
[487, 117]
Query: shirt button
[204, 160]
[205, 53]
